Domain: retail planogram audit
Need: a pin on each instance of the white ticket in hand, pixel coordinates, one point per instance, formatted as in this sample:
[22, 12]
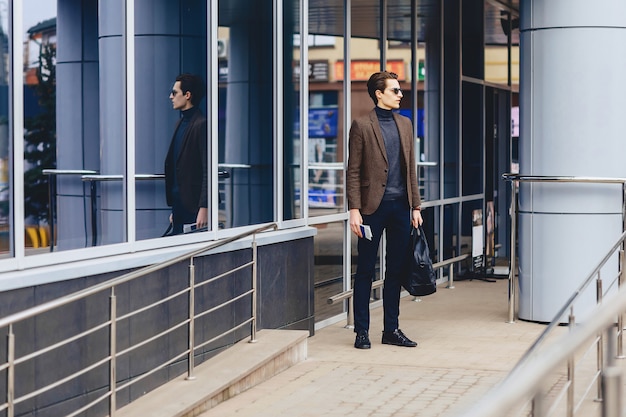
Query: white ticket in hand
[366, 231]
[189, 227]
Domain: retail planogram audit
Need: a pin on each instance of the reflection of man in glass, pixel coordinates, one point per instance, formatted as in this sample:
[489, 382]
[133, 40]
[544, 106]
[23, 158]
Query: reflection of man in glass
[186, 161]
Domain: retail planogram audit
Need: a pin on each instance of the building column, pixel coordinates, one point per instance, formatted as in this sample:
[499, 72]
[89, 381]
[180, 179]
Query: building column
[77, 117]
[170, 38]
[249, 127]
[572, 106]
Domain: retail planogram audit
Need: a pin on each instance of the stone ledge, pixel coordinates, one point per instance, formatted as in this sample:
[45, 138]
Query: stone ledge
[229, 373]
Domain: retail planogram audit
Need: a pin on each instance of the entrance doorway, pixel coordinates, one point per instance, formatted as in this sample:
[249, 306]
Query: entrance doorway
[498, 161]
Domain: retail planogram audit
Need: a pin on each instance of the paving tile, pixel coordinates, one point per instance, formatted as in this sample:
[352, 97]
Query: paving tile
[466, 346]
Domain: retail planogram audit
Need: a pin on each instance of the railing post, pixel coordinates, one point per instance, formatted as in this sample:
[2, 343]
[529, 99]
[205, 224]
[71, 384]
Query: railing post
[620, 317]
[10, 372]
[512, 251]
[52, 205]
[192, 322]
[254, 293]
[451, 277]
[350, 313]
[538, 404]
[93, 198]
[570, 370]
[600, 343]
[611, 383]
[112, 352]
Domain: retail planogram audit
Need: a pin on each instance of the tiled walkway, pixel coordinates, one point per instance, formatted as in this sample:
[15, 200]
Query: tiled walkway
[465, 347]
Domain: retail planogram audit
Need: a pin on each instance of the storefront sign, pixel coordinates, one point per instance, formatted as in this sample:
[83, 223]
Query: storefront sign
[361, 70]
[318, 71]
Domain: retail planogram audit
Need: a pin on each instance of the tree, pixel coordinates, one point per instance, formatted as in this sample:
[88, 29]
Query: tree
[40, 138]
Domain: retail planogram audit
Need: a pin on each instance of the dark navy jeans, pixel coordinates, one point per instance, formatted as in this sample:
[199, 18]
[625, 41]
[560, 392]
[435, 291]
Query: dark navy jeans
[395, 218]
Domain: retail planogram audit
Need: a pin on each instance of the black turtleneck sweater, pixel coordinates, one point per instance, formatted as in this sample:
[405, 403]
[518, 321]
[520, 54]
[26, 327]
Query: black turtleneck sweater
[178, 138]
[396, 185]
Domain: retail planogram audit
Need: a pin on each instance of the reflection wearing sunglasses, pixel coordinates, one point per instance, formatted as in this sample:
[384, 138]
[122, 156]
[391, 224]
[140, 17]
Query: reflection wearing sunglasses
[396, 91]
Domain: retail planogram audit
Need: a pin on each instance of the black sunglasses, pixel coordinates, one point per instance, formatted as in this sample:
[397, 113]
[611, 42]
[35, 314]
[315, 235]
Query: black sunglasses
[395, 90]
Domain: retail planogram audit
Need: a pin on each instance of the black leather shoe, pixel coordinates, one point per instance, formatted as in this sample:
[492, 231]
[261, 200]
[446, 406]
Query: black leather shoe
[397, 338]
[362, 340]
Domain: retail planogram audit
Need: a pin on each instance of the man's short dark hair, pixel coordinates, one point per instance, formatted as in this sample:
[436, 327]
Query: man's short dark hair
[193, 84]
[378, 81]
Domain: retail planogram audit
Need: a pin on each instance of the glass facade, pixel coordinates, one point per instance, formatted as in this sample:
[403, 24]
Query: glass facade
[94, 114]
[6, 170]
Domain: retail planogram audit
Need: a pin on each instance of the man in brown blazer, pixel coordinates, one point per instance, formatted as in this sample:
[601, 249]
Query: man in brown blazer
[382, 194]
[186, 161]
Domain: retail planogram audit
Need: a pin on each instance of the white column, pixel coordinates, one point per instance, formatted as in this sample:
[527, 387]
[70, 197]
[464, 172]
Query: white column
[572, 107]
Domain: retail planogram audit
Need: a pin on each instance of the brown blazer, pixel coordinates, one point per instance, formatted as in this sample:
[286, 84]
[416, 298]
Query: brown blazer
[368, 165]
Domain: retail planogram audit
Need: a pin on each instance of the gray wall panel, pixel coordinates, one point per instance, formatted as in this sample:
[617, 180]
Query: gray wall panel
[285, 279]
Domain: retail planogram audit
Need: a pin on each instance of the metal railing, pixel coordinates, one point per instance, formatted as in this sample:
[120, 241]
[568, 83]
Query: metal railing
[515, 179]
[52, 196]
[347, 295]
[526, 390]
[111, 324]
[93, 178]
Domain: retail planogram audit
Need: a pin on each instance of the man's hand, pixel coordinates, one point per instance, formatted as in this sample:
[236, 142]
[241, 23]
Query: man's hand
[355, 222]
[202, 219]
[416, 219]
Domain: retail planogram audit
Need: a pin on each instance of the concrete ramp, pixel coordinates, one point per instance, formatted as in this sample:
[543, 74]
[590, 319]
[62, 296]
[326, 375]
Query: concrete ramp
[229, 373]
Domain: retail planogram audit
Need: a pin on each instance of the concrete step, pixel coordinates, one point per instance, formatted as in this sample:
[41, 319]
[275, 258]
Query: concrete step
[229, 373]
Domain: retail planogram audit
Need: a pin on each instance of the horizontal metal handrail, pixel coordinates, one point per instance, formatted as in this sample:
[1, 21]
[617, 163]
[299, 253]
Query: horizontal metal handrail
[154, 369]
[113, 320]
[86, 175]
[236, 327]
[222, 275]
[62, 381]
[52, 195]
[379, 283]
[68, 172]
[227, 165]
[94, 179]
[94, 176]
[47, 306]
[119, 177]
[524, 382]
[144, 342]
[57, 345]
[516, 178]
[531, 357]
[329, 166]
[89, 405]
[225, 303]
[553, 178]
[570, 301]
[346, 295]
[149, 306]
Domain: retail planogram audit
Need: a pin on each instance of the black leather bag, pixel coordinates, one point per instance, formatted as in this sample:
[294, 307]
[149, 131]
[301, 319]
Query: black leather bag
[420, 278]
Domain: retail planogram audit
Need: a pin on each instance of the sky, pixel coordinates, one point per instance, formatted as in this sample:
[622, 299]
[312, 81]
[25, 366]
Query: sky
[34, 11]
